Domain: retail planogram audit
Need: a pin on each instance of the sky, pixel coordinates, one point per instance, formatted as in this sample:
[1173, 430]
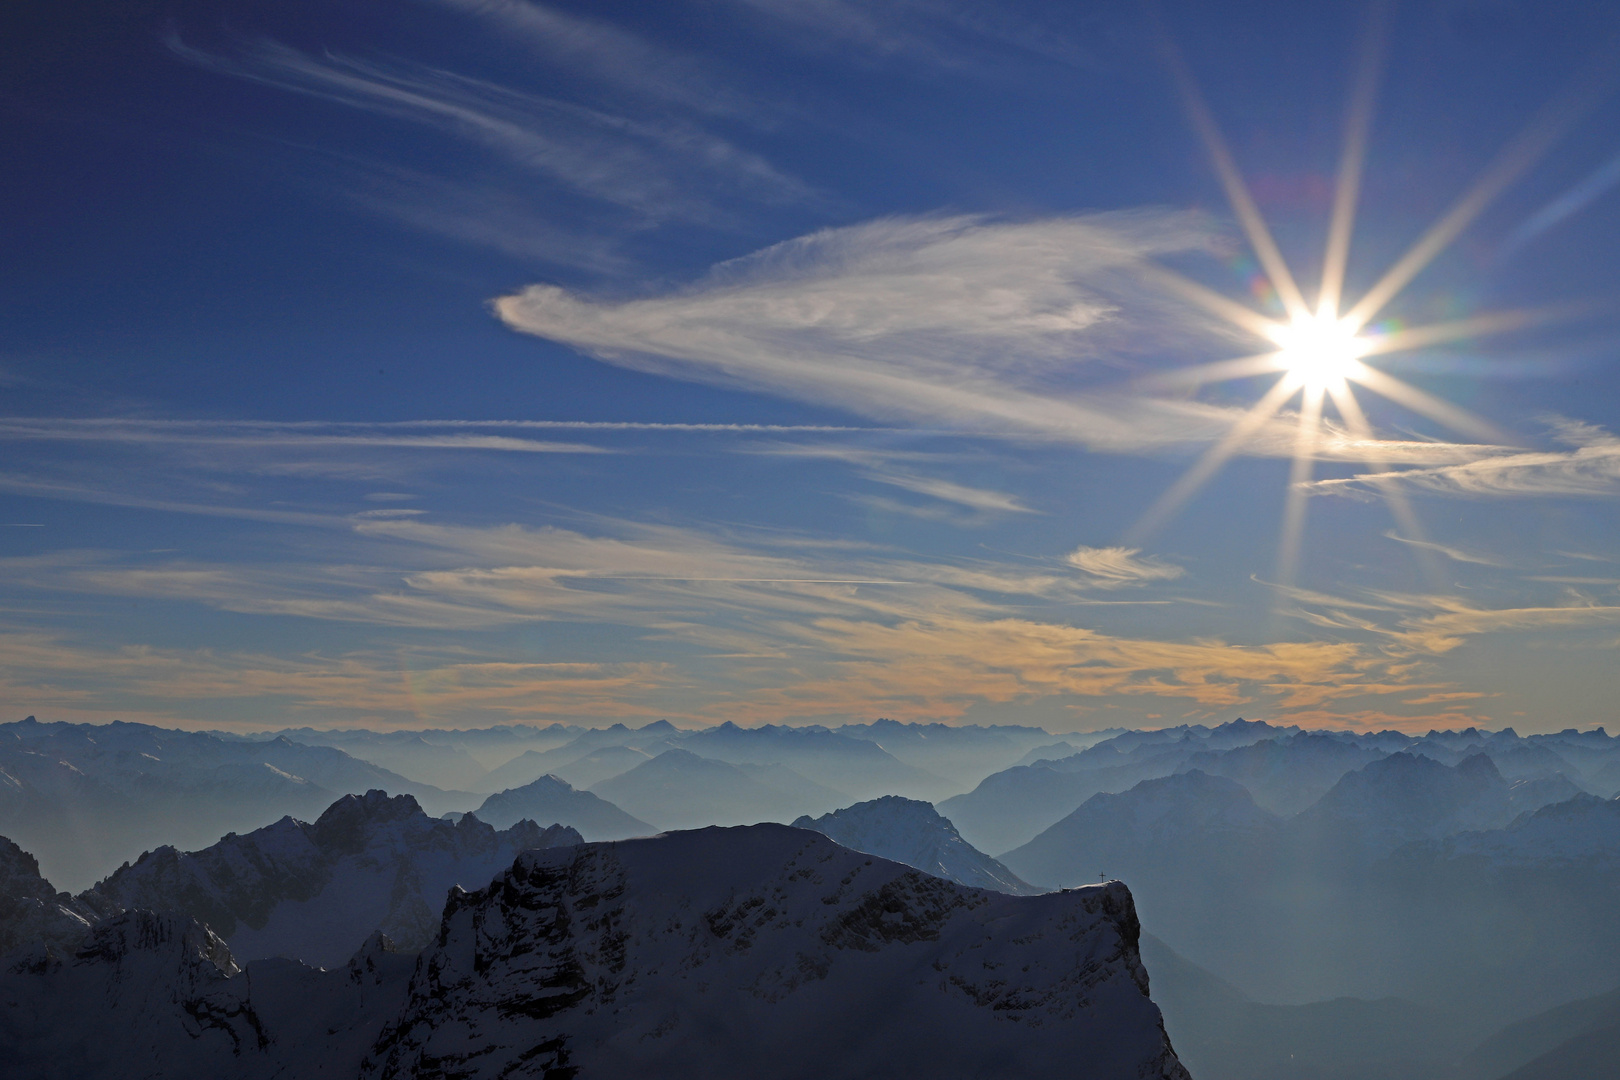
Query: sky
[463, 362]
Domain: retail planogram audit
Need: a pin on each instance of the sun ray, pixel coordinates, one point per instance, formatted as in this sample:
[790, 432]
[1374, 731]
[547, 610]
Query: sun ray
[1237, 192]
[1419, 401]
[1400, 507]
[1216, 456]
[1299, 474]
[1491, 322]
[1219, 371]
[1514, 159]
[1352, 160]
[1245, 318]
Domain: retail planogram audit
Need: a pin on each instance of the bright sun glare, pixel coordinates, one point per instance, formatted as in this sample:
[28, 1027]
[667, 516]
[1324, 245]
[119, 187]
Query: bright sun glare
[1319, 350]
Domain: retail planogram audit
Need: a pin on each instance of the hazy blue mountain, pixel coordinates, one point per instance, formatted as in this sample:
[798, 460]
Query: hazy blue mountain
[859, 768]
[1550, 1040]
[913, 832]
[1221, 1034]
[1173, 825]
[603, 764]
[963, 754]
[1011, 807]
[680, 790]
[315, 892]
[1288, 773]
[531, 765]
[408, 753]
[1047, 752]
[553, 799]
[1406, 797]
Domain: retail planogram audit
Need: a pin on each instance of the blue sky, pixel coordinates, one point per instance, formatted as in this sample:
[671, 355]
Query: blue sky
[475, 361]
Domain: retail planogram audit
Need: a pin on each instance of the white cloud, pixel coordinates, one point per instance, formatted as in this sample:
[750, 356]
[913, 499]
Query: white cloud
[1591, 469]
[1114, 567]
[965, 321]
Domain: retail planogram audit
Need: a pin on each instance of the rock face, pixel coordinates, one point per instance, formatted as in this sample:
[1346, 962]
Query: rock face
[31, 910]
[913, 832]
[316, 892]
[151, 995]
[771, 951]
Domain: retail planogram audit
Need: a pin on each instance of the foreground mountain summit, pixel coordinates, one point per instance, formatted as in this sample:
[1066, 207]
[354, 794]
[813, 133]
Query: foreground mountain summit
[750, 951]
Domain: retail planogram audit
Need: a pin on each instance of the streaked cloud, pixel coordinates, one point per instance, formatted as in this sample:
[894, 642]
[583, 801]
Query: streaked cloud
[884, 467]
[1113, 567]
[960, 321]
[1592, 469]
[1456, 554]
[609, 55]
[659, 170]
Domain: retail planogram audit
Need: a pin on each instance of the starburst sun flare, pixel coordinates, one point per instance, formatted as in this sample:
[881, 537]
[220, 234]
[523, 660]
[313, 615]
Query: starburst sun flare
[1319, 352]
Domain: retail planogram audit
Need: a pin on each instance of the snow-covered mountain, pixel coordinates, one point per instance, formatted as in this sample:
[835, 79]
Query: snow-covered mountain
[754, 951]
[31, 909]
[315, 892]
[150, 995]
[772, 951]
[552, 799]
[680, 790]
[913, 832]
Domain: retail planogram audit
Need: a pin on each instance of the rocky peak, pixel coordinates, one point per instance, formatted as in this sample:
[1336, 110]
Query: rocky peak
[351, 822]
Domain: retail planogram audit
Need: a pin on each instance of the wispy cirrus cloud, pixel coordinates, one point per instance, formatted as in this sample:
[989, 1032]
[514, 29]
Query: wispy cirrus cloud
[885, 467]
[940, 33]
[285, 436]
[960, 321]
[1592, 469]
[1115, 567]
[658, 170]
[1015, 329]
[781, 631]
[609, 55]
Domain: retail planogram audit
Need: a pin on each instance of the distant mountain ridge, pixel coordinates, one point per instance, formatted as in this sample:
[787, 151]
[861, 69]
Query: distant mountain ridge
[85, 798]
[913, 832]
[551, 798]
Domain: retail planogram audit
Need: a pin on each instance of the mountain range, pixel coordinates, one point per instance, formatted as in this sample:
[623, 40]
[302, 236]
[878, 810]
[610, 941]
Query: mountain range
[749, 951]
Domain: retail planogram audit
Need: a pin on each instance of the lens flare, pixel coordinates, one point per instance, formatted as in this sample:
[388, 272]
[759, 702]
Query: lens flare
[1320, 356]
[1319, 350]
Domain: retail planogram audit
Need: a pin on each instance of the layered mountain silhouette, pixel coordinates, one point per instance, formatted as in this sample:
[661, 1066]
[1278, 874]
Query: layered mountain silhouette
[552, 799]
[913, 832]
[680, 790]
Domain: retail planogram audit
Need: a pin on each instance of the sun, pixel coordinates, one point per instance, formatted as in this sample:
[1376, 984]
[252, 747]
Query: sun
[1320, 351]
